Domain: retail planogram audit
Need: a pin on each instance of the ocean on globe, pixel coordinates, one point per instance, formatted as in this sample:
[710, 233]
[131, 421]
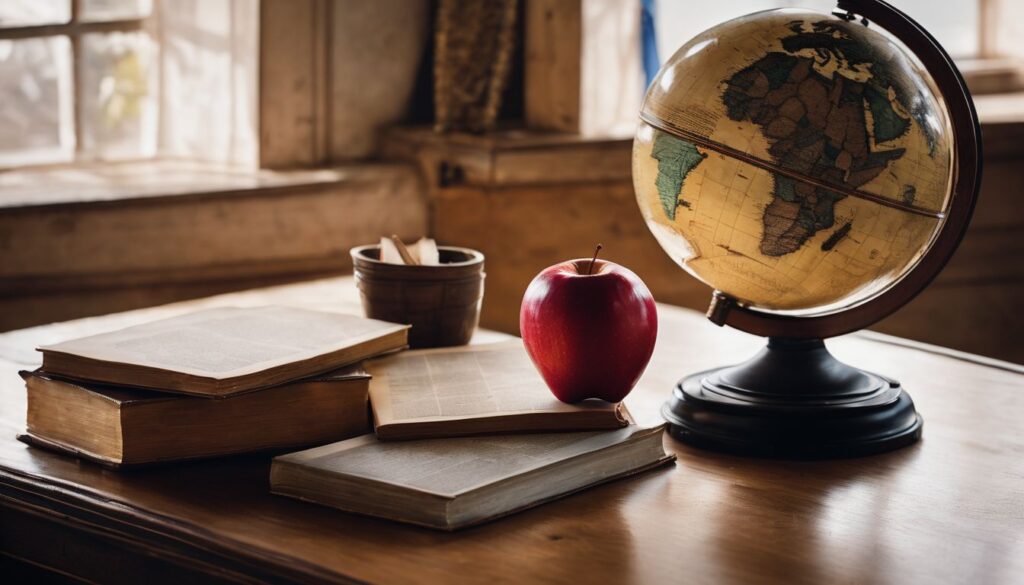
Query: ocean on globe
[797, 162]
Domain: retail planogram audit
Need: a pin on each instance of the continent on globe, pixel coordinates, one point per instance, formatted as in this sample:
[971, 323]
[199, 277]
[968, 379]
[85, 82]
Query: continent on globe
[676, 158]
[816, 126]
[794, 161]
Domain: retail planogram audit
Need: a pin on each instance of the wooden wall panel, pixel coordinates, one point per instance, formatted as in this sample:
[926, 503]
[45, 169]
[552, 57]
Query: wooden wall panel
[524, 225]
[522, 230]
[376, 51]
[553, 44]
[294, 82]
[332, 74]
[977, 317]
[583, 71]
[69, 261]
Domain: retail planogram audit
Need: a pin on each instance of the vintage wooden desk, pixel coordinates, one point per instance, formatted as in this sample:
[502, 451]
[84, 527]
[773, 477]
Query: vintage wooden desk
[950, 509]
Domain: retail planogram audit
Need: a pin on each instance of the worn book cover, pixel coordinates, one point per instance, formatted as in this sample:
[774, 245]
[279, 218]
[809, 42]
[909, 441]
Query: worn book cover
[224, 351]
[454, 483]
[477, 389]
[119, 426]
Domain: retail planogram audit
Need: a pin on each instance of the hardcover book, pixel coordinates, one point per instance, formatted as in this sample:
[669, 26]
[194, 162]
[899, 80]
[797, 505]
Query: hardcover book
[121, 427]
[453, 483]
[478, 389]
[225, 351]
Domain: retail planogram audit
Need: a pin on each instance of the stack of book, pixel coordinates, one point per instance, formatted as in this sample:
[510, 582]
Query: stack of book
[453, 437]
[465, 435]
[215, 382]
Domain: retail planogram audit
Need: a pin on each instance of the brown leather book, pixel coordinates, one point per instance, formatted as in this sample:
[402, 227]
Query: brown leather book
[473, 390]
[121, 427]
[224, 351]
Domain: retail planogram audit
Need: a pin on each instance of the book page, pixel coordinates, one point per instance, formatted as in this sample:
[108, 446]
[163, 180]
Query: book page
[464, 382]
[449, 467]
[127, 394]
[229, 342]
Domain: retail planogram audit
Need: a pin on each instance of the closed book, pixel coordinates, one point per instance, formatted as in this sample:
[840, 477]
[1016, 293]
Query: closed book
[224, 351]
[453, 483]
[472, 390]
[119, 426]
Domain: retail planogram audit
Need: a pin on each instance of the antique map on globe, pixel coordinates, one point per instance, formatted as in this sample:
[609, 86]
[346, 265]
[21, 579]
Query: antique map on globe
[793, 160]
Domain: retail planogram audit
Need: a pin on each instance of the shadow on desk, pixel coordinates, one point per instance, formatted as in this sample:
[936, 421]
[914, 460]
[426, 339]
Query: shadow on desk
[231, 496]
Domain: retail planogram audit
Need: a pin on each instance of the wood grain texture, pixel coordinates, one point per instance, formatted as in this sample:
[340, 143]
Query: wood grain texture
[522, 230]
[66, 261]
[293, 83]
[511, 157]
[441, 303]
[947, 510]
[553, 45]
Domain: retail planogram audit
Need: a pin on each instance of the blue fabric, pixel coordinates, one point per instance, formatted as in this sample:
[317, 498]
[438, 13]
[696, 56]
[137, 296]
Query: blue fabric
[649, 40]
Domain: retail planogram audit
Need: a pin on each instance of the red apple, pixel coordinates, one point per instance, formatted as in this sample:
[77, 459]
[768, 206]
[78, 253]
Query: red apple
[589, 327]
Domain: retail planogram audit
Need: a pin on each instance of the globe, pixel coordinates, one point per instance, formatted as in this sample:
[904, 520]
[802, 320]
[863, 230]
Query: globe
[817, 170]
[796, 161]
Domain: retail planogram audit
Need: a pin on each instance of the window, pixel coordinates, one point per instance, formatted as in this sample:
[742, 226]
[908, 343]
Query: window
[119, 80]
[79, 80]
[955, 23]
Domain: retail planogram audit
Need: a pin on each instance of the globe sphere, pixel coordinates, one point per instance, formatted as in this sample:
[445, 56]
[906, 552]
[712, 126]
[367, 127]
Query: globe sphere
[798, 162]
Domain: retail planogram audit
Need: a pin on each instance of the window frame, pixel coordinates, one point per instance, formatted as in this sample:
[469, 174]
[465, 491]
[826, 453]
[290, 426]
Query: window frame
[74, 29]
[298, 55]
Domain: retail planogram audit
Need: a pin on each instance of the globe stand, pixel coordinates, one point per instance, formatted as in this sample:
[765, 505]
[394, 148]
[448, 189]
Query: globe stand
[794, 400]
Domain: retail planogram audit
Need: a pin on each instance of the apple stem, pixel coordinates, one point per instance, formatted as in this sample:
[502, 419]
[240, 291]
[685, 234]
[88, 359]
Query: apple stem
[594, 259]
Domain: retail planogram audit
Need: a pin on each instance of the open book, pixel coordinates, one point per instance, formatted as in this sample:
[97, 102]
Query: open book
[477, 389]
[220, 352]
[453, 483]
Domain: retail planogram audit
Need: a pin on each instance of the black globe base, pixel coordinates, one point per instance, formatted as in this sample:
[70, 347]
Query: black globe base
[792, 400]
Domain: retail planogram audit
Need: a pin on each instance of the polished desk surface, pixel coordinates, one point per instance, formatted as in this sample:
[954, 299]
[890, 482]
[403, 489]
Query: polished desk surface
[949, 509]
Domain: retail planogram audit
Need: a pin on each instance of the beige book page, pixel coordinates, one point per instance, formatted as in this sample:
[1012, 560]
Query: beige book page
[449, 467]
[463, 382]
[227, 342]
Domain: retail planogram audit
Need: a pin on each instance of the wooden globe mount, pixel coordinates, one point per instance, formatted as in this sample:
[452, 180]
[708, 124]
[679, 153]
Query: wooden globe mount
[794, 399]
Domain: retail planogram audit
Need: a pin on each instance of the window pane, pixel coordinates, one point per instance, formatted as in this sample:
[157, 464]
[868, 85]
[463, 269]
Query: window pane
[118, 110]
[34, 12]
[209, 49]
[953, 22]
[36, 109]
[101, 10]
